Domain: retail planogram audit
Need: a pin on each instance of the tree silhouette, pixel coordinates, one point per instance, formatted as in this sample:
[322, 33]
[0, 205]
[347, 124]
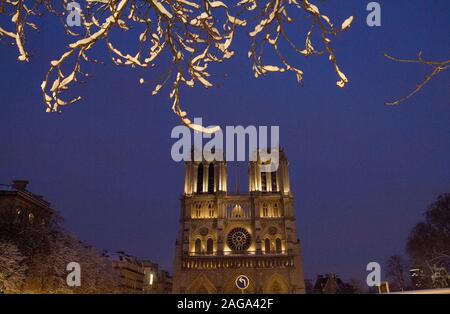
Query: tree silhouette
[429, 241]
[395, 271]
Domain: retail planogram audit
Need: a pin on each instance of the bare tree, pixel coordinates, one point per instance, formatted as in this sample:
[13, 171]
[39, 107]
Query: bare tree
[440, 277]
[193, 33]
[396, 269]
[12, 268]
[358, 286]
[48, 271]
[99, 275]
[428, 244]
[34, 257]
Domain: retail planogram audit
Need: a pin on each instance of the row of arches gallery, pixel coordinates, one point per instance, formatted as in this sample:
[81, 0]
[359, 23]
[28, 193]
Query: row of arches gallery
[208, 247]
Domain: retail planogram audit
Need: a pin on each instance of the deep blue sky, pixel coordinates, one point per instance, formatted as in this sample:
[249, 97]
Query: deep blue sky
[362, 173]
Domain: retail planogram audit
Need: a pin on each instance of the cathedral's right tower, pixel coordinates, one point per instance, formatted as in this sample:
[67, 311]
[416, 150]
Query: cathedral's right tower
[223, 235]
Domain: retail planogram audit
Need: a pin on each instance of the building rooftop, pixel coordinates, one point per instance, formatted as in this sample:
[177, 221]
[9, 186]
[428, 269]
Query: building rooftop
[19, 188]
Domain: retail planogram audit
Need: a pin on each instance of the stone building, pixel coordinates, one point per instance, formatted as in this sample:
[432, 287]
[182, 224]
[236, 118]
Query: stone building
[222, 235]
[23, 207]
[156, 279]
[131, 272]
[140, 276]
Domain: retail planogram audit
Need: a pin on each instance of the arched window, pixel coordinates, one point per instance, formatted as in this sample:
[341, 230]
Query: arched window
[267, 246]
[200, 178]
[276, 212]
[278, 245]
[211, 178]
[198, 211]
[263, 181]
[30, 218]
[210, 210]
[210, 246]
[198, 246]
[265, 210]
[237, 211]
[273, 176]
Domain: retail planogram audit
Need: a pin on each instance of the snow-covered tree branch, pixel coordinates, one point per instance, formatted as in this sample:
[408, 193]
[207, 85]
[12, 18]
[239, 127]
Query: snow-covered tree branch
[48, 271]
[195, 33]
[34, 258]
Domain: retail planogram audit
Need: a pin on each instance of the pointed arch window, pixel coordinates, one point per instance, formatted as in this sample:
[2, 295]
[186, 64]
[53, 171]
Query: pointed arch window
[267, 246]
[198, 246]
[209, 246]
[198, 211]
[278, 245]
[211, 178]
[200, 178]
[265, 210]
[263, 181]
[273, 177]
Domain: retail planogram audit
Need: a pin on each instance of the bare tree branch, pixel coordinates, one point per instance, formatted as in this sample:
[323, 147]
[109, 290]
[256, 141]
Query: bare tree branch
[436, 66]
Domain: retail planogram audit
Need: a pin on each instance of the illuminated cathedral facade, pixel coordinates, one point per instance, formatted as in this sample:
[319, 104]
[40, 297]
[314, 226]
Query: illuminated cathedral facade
[223, 236]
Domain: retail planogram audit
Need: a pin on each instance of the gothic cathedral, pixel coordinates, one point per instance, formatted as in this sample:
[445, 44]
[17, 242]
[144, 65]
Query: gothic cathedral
[223, 236]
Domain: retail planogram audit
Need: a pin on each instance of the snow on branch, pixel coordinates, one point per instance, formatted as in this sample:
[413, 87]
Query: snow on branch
[195, 33]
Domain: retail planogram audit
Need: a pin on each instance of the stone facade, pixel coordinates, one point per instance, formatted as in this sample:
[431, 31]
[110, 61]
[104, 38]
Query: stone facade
[22, 206]
[222, 236]
[131, 272]
[140, 276]
[156, 279]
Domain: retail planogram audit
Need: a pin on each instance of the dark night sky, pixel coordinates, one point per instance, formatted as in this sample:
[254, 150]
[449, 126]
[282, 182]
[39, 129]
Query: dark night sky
[362, 173]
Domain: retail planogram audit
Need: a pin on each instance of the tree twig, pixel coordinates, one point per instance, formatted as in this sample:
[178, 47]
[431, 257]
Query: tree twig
[436, 66]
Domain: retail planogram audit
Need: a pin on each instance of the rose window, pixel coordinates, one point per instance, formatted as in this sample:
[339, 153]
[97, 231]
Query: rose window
[239, 239]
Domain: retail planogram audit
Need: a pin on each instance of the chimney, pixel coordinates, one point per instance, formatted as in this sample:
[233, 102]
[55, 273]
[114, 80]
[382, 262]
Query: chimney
[20, 185]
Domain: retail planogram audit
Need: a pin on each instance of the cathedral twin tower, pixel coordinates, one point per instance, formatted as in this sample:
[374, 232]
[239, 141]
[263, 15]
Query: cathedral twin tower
[223, 236]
